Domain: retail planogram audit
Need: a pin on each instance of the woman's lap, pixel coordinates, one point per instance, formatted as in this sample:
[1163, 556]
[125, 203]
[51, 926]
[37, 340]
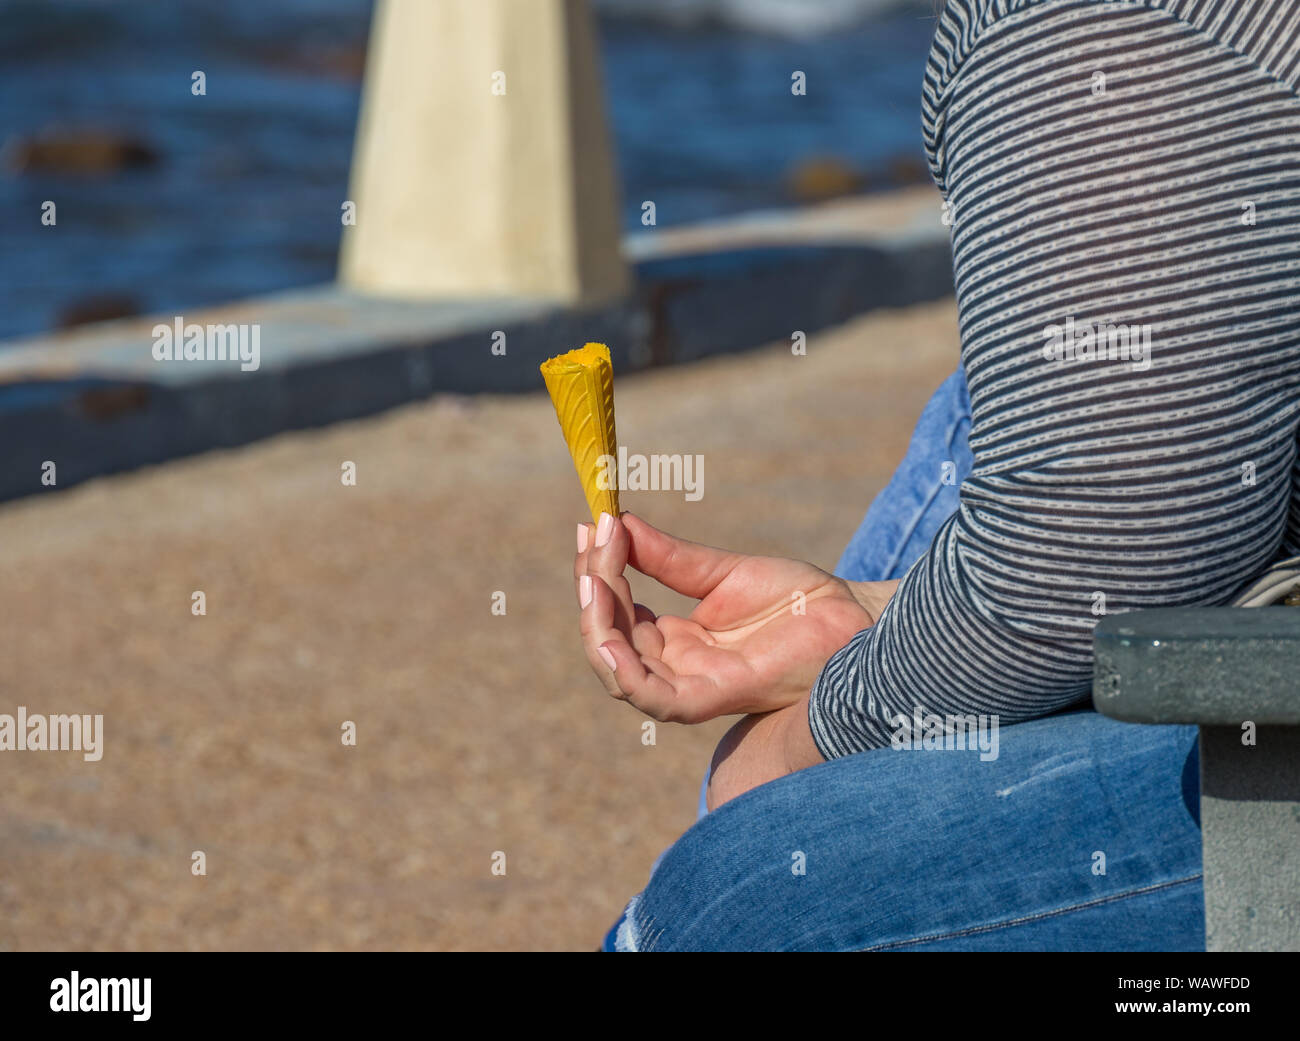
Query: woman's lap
[1080, 835]
[943, 850]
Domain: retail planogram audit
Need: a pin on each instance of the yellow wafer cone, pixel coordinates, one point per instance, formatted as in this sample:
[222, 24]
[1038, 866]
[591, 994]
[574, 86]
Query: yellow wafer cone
[581, 384]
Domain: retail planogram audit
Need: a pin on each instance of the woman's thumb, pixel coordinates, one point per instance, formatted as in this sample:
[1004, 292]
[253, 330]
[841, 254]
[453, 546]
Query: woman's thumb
[686, 567]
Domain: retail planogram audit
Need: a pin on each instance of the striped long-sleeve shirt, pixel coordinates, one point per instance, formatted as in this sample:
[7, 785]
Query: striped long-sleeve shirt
[1124, 184]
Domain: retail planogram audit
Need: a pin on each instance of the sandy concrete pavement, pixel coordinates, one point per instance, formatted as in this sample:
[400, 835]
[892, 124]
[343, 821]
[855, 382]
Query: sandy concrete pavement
[372, 604]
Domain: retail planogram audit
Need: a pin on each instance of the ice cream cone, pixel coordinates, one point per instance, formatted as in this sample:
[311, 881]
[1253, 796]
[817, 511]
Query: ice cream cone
[581, 385]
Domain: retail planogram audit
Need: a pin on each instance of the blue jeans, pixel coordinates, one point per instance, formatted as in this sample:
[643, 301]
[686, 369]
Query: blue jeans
[1082, 833]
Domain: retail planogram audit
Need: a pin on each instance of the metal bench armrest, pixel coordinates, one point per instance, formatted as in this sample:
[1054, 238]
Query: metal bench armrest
[1214, 666]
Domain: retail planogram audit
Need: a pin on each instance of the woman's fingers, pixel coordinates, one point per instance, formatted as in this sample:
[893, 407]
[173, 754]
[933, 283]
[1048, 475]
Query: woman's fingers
[646, 637]
[606, 560]
[640, 678]
[596, 623]
[622, 639]
[599, 609]
[653, 688]
[586, 534]
[687, 567]
[649, 691]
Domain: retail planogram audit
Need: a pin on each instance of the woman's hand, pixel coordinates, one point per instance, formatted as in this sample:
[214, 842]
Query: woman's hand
[755, 643]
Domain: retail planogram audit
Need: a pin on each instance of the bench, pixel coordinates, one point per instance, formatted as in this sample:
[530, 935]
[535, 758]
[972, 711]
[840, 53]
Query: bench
[1235, 673]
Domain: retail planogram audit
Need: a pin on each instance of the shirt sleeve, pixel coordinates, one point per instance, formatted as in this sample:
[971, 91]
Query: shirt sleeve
[1125, 194]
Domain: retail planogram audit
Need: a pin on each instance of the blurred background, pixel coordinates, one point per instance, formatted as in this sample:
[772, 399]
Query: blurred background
[329, 603]
[169, 204]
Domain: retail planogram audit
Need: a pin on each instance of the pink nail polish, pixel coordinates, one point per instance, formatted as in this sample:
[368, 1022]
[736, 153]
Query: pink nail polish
[584, 590]
[604, 529]
[582, 538]
[607, 658]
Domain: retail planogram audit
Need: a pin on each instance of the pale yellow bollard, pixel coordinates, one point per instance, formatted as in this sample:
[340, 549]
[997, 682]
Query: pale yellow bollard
[482, 163]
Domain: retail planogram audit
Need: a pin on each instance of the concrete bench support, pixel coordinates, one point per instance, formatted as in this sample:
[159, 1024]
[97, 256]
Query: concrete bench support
[482, 164]
[1235, 672]
[1250, 820]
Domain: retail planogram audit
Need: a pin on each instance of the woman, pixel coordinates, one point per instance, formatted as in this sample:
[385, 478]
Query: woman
[1124, 183]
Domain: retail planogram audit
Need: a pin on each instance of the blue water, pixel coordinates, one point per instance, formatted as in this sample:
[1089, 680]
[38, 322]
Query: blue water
[245, 196]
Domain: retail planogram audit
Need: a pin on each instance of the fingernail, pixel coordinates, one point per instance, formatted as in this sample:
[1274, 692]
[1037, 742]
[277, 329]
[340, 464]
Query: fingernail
[607, 658]
[604, 529]
[584, 590]
[582, 538]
